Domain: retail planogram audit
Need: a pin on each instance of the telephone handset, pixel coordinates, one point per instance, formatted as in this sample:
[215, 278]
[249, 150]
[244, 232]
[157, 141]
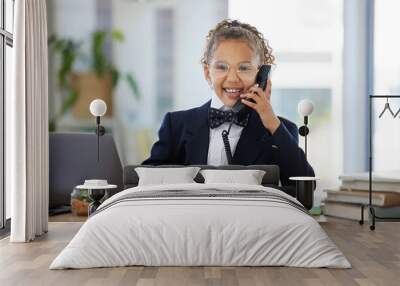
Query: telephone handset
[241, 109]
[261, 79]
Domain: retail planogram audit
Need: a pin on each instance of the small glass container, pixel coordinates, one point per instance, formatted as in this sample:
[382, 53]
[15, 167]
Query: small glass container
[80, 202]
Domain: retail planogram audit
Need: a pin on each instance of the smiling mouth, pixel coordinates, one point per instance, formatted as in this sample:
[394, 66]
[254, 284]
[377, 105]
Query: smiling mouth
[233, 92]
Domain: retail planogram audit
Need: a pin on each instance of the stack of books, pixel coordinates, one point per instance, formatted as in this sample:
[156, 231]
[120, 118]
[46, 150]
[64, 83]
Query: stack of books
[346, 201]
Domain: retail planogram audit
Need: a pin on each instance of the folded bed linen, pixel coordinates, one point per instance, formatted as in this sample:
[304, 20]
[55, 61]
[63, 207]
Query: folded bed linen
[201, 225]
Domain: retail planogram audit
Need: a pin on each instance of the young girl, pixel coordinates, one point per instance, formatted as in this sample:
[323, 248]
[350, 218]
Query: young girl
[232, 57]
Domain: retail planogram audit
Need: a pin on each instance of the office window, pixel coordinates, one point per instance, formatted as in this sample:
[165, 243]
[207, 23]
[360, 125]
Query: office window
[6, 42]
[386, 134]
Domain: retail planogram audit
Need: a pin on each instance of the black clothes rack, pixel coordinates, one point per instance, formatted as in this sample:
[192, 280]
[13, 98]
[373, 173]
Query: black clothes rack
[370, 207]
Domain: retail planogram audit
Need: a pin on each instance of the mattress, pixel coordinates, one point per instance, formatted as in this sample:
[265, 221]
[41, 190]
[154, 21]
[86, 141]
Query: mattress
[201, 225]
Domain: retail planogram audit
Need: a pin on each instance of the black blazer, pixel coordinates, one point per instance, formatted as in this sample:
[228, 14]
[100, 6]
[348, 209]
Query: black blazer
[184, 140]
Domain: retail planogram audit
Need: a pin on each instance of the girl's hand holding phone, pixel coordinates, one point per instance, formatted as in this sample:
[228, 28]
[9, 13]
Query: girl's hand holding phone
[262, 105]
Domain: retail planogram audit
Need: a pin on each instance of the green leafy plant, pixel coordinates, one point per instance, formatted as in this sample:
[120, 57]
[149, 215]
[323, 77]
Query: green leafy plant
[70, 51]
[83, 196]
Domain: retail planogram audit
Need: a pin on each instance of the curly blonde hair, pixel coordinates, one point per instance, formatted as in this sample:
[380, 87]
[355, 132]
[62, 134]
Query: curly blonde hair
[233, 29]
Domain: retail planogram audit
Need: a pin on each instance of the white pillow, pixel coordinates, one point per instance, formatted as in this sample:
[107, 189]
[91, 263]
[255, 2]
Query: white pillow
[164, 176]
[248, 177]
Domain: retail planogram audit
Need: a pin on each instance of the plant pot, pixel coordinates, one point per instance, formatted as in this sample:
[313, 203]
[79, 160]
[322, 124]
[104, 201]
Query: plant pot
[80, 202]
[89, 87]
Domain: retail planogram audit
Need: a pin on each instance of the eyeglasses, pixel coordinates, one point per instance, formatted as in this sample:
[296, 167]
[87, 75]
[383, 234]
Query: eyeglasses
[245, 71]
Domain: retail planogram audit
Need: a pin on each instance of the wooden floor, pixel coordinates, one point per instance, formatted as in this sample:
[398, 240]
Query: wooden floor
[67, 217]
[375, 257]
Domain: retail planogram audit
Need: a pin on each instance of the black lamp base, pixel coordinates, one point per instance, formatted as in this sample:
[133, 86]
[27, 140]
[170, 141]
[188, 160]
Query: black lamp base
[303, 131]
[100, 130]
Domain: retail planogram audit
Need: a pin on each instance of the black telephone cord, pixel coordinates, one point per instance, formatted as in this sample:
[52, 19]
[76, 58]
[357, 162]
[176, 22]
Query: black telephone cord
[227, 145]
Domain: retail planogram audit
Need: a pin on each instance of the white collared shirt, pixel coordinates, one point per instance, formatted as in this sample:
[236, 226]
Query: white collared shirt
[216, 149]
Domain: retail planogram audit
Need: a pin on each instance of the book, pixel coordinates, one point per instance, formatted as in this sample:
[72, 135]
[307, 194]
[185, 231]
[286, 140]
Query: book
[381, 181]
[376, 187]
[381, 177]
[344, 210]
[383, 199]
[353, 211]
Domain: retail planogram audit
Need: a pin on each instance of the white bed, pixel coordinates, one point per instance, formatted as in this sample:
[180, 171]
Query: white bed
[185, 230]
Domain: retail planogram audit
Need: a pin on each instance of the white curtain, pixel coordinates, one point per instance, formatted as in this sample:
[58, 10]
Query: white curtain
[27, 123]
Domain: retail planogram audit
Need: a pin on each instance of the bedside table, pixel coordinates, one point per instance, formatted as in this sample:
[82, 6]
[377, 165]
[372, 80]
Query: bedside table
[305, 187]
[96, 194]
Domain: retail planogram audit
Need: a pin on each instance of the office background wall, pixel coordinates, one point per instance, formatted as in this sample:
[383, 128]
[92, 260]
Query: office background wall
[386, 80]
[164, 40]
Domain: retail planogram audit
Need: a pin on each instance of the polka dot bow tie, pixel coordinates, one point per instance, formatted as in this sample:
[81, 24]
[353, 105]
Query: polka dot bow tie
[217, 117]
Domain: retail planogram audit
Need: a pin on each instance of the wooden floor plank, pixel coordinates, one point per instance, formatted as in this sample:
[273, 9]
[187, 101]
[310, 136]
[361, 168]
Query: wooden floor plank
[375, 257]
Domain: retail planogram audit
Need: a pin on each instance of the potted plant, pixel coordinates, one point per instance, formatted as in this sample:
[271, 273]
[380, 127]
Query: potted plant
[80, 202]
[78, 89]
